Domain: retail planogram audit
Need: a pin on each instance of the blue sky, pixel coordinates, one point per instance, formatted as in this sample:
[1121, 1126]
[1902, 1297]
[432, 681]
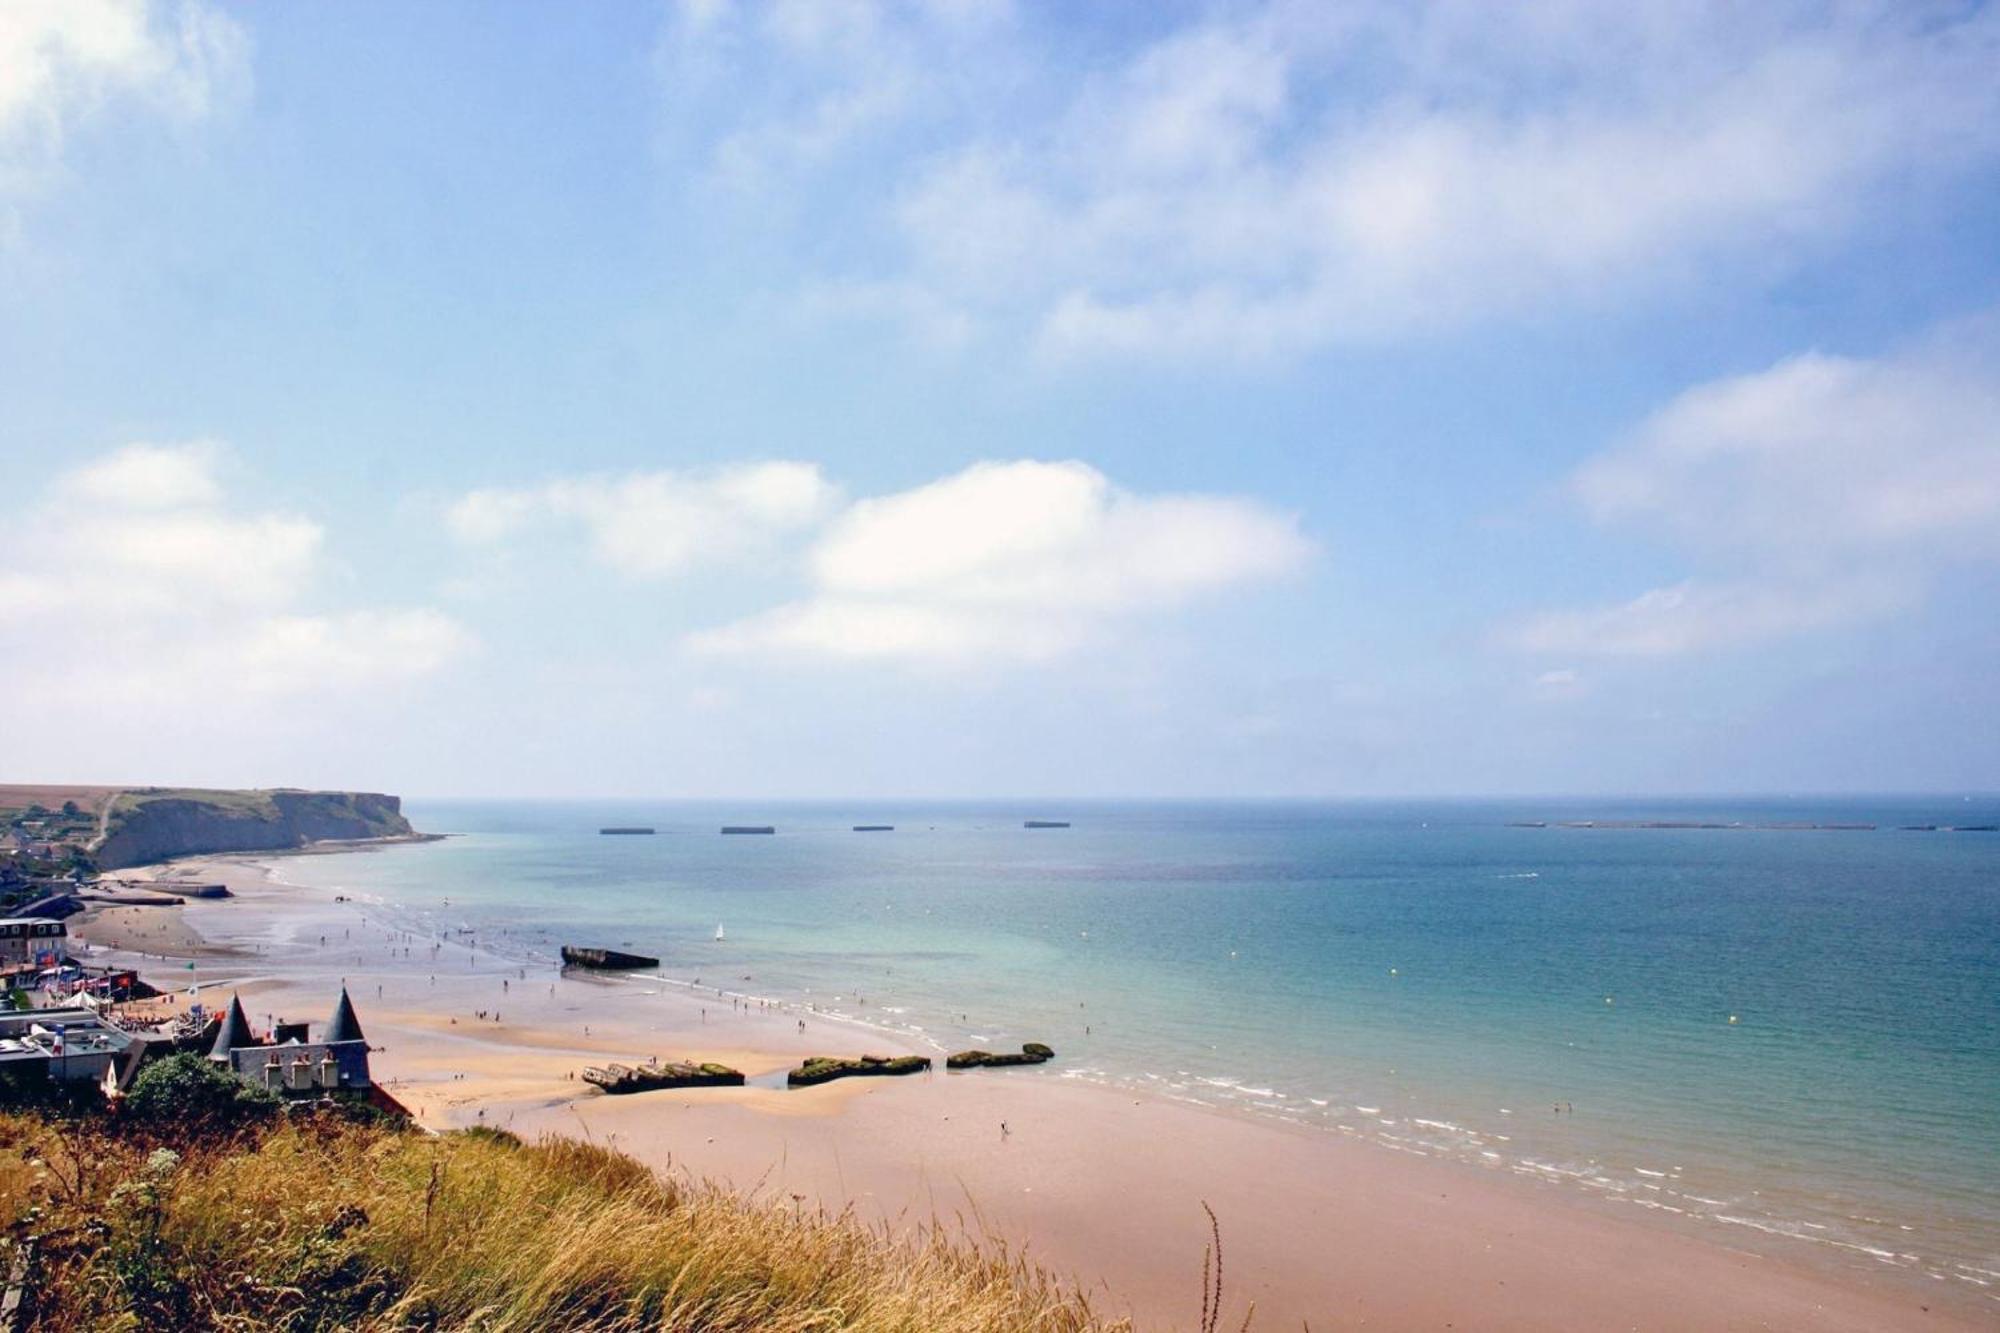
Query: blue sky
[967, 398]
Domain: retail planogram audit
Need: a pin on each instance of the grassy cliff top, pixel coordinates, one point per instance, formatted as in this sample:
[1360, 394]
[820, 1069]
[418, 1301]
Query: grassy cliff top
[18, 797]
[324, 1223]
[254, 800]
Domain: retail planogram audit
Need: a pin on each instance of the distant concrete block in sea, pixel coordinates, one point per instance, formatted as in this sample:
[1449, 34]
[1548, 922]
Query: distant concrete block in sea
[1045, 823]
[633, 829]
[749, 828]
[874, 828]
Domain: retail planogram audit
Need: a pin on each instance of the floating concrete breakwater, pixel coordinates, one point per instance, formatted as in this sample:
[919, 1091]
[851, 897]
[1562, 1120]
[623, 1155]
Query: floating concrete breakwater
[1031, 1053]
[826, 1068]
[621, 1079]
[606, 960]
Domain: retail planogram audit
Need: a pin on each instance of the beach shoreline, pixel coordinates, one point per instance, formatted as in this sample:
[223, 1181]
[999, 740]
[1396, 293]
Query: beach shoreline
[1102, 1184]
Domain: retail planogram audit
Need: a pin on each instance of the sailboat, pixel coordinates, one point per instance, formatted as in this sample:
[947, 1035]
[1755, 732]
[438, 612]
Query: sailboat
[718, 933]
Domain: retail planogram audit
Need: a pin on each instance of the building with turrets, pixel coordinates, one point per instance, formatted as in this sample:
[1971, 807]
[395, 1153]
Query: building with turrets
[234, 1033]
[298, 1067]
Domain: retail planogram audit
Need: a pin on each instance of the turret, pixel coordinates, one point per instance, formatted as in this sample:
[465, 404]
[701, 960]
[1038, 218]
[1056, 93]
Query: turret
[234, 1032]
[343, 1026]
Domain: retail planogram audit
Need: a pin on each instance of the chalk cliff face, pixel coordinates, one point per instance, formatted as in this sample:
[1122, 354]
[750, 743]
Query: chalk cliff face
[153, 826]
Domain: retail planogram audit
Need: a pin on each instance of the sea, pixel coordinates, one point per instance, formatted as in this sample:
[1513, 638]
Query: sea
[1782, 1031]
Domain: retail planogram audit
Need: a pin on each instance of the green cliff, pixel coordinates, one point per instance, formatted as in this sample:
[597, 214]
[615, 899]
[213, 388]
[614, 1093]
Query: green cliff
[150, 824]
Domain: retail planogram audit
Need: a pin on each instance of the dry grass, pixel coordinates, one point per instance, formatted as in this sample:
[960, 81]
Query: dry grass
[325, 1226]
[15, 797]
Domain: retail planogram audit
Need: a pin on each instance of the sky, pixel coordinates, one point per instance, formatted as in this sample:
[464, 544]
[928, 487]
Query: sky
[957, 398]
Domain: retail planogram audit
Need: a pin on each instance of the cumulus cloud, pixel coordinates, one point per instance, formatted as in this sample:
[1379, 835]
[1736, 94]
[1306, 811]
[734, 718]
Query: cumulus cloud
[656, 524]
[1010, 562]
[64, 62]
[1823, 490]
[133, 580]
[1271, 178]
[1822, 459]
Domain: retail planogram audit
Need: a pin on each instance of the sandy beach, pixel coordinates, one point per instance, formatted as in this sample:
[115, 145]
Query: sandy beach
[1317, 1229]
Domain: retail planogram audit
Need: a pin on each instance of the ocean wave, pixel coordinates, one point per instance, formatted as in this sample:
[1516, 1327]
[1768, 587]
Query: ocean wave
[1793, 1230]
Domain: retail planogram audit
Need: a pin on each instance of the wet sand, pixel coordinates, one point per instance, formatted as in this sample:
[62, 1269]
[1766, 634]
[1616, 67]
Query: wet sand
[158, 933]
[1092, 1182]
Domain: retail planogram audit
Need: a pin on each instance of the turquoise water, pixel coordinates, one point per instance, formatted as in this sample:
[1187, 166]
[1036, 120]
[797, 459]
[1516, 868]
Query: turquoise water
[1421, 974]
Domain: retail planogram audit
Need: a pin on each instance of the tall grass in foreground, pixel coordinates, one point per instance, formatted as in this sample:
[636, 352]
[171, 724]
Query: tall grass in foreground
[333, 1225]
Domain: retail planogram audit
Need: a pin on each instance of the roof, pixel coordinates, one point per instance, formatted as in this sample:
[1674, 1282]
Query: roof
[343, 1026]
[234, 1032]
[127, 1066]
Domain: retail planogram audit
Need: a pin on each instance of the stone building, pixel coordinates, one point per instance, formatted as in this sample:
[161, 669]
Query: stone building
[337, 1061]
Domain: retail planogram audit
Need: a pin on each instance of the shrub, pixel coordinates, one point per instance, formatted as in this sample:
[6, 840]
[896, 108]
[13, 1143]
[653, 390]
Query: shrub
[187, 1094]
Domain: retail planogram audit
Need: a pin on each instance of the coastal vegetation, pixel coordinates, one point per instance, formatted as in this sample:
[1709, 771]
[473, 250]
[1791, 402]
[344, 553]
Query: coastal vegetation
[190, 1094]
[310, 1222]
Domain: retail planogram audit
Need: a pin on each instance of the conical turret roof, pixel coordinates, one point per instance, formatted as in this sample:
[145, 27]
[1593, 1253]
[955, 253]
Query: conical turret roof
[234, 1032]
[343, 1026]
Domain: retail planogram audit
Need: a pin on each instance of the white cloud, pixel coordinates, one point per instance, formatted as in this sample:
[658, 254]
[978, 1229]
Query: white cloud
[1019, 561]
[142, 533]
[62, 62]
[1822, 459]
[761, 95]
[132, 581]
[1692, 617]
[661, 523]
[834, 628]
[147, 476]
[1826, 489]
[1288, 175]
[356, 648]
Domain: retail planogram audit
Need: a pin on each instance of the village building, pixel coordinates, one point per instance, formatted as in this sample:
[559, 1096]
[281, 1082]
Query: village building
[31, 941]
[68, 1046]
[289, 1063]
